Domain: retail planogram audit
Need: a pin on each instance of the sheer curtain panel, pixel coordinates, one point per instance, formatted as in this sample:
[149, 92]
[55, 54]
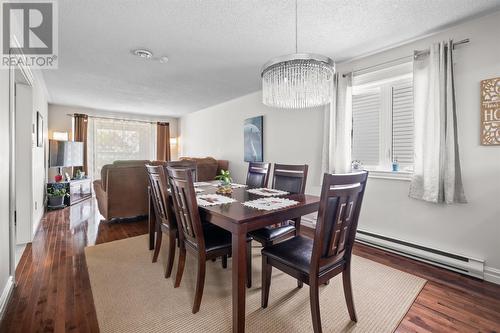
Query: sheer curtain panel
[111, 140]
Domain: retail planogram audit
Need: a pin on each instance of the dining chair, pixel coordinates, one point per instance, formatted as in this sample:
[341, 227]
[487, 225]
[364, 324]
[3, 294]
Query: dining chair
[292, 179]
[185, 164]
[206, 241]
[258, 174]
[315, 261]
[165, 217]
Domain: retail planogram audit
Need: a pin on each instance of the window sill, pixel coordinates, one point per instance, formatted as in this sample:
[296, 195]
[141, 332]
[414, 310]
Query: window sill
[395, 175]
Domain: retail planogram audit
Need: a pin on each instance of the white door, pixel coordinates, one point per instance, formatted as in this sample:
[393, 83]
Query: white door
[23, 158]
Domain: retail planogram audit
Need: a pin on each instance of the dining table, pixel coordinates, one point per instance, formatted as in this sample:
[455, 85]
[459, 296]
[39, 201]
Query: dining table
[239, 220]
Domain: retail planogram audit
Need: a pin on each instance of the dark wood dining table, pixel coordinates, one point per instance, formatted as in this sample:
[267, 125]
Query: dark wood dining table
[239, 220]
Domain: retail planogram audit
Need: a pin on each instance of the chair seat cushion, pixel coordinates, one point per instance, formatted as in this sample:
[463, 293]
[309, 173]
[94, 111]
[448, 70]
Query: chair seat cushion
[217, 238]
[272, 233]
[295, 252]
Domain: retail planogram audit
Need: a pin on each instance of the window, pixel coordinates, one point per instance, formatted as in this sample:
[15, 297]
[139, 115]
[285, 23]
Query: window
[110, 140]
[382, 112]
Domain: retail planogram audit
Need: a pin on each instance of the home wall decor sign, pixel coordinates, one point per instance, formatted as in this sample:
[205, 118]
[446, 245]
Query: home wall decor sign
[490, 112]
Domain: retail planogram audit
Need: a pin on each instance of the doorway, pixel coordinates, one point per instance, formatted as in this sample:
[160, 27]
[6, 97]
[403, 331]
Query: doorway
[22, 136]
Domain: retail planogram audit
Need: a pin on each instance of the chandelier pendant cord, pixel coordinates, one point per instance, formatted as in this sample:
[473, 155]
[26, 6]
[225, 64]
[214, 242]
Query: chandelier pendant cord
[296, 27]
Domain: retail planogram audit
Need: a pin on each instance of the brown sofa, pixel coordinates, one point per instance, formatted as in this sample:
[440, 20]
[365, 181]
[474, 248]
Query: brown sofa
[122, 191]
[207, 167]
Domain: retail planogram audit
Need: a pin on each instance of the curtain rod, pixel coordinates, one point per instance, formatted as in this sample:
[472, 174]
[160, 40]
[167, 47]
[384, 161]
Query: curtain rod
[410, 57]
[122, 119]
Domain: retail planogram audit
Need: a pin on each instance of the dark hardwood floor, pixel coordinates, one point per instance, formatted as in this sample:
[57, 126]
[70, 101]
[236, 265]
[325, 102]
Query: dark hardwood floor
[54, 294]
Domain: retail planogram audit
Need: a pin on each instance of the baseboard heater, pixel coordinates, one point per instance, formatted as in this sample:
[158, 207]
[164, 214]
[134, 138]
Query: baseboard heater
[454, 262]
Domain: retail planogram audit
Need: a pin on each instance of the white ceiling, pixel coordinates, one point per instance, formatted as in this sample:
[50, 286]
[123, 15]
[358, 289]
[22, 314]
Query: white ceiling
[216, 48]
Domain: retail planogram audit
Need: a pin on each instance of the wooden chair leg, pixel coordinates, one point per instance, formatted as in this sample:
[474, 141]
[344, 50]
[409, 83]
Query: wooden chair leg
[200, 283]
[151, 235]
[314, 300]
[249, 264]
[171, 253]
[346, 278]
[266, 281]
[180, 266]
[224, 262]
[159, 236]
[151, 222]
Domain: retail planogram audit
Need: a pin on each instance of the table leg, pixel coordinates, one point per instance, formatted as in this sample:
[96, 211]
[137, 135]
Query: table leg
[239, 272]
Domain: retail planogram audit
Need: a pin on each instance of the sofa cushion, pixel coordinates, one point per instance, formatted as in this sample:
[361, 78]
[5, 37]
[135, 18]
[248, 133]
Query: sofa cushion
[104, 169]
[131, 162]
[206, 167]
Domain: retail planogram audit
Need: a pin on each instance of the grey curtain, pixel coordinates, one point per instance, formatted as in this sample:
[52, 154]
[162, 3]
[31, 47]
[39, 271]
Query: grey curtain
[437, 177]
[336, 153]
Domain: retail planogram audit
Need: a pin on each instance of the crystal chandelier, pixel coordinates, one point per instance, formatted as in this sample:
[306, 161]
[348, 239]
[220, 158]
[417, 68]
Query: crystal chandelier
[299, 80]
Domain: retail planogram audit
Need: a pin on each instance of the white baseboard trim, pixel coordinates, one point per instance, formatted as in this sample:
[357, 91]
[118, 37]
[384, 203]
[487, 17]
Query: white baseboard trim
[486, 273]
[4, 298]
[37, 224]
[492, 274]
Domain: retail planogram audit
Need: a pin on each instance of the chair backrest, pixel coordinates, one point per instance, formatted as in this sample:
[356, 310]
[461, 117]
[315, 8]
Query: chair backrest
[258, 174]
[186, 207]
[185, 164]
[290, 178]
[340, 204]
[160, 196]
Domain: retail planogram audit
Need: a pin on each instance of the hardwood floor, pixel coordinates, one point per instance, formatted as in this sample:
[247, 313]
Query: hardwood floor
[54, 294]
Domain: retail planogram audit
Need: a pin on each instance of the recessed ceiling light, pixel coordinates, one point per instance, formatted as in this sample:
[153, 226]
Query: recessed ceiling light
[143, 53]
[163, 59]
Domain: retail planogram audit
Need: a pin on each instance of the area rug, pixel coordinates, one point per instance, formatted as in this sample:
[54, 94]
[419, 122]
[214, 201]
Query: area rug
[131, 295]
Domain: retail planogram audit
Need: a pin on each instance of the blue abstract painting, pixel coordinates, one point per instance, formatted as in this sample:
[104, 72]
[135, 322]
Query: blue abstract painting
[253, 138]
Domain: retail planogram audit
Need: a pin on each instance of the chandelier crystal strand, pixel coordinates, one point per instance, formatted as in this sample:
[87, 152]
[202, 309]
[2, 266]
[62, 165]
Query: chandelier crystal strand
[298, 81]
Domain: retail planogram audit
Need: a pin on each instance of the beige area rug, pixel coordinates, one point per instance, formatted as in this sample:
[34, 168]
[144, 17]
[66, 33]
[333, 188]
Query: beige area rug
[132, 295]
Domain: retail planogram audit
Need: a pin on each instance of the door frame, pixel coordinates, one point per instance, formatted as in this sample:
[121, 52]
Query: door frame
[28, 76]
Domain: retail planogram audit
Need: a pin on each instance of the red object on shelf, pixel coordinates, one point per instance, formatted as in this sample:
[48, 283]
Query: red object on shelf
[58, 178]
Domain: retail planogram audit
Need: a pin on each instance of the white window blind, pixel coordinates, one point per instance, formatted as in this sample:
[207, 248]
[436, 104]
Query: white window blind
[402, 123]
[382, 110]
[366, 127]
[111, 140]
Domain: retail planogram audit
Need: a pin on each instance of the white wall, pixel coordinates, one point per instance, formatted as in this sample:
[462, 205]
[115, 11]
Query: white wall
[59, 121]
[295, 137]
[290, 136]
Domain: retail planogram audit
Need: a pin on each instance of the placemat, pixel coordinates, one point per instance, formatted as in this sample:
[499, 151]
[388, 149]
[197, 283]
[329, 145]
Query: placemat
[270, 203]
[266, 192]
[206, 200]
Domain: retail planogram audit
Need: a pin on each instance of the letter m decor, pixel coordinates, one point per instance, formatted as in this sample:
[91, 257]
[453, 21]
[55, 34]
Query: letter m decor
[490, 112]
